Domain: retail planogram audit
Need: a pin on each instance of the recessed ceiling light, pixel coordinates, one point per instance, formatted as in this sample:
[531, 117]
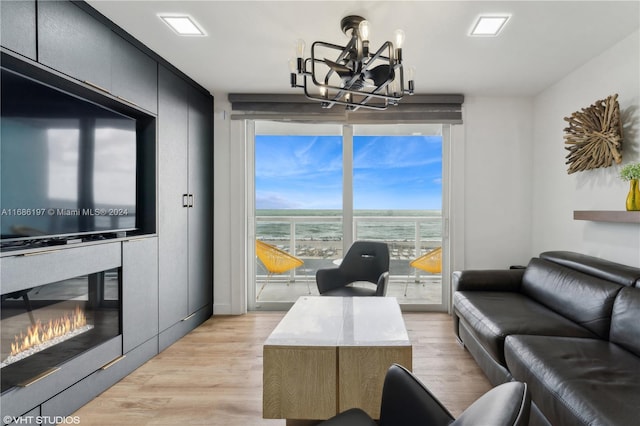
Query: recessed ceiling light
[182, 25]
[489, 25]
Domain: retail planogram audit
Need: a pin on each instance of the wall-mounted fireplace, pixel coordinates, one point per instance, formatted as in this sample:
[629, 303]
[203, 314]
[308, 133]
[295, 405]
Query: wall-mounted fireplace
[47, 325]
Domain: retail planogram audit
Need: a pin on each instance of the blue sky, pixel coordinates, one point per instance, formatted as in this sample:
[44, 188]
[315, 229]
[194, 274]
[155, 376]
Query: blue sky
[390, 172]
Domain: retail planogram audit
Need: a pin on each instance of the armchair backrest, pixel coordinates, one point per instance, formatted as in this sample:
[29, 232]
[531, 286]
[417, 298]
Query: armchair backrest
[365, 261]
[505, 405]
[407, 402]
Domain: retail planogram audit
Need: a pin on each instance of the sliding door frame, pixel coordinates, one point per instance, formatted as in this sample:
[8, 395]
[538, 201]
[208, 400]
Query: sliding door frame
[347, 208]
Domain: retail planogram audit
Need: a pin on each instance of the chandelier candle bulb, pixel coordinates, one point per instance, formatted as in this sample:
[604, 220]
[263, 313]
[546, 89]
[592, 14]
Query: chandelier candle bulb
[300, 45]
[399, 36]
[325, 94]
[364, 29]
[411, 71]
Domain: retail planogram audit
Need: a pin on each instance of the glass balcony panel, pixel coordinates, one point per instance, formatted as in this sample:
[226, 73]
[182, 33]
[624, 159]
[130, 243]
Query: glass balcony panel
[317, 240]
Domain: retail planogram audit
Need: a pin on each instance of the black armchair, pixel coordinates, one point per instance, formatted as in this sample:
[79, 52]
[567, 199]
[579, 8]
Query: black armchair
[407, 402]
[364, 261]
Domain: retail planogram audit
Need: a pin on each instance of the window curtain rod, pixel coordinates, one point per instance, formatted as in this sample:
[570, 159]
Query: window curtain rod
[445, 109]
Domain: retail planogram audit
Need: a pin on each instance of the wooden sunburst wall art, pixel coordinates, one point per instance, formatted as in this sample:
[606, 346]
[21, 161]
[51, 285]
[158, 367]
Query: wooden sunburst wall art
[594, 136]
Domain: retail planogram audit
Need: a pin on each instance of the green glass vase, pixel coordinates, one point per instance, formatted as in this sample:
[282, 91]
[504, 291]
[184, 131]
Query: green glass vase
[633, 199]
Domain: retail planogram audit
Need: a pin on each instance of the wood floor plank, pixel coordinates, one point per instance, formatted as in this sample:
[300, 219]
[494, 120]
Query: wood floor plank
[213, 376]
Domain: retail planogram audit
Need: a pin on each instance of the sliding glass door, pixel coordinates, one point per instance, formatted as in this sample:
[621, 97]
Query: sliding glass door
[317, 188]
[398, 199]
[298, 208]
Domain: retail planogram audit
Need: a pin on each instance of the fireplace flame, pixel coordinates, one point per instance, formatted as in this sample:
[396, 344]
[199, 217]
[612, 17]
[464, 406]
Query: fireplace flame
[39, 333]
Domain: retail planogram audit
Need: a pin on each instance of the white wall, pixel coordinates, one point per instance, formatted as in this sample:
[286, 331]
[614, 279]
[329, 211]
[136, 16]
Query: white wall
[557, 194]
[497, 182]
[229, 210]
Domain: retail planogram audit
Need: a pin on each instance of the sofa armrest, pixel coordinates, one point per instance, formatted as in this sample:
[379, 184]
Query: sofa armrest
[488, 280]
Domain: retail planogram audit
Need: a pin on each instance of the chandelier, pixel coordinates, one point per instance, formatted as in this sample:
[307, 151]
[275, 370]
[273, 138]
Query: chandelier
[356, 77]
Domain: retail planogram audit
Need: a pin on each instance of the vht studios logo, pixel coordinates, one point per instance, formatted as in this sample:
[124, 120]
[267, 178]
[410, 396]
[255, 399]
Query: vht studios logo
[42, 420]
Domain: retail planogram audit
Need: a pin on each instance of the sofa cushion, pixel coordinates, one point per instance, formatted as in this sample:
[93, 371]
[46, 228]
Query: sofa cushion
[493, 315]
[625, 320]
[583, 298]
[601, 268]
[576, 380]
[488, 280]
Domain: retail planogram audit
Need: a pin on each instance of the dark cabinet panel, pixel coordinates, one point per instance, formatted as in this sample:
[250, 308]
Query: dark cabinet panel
[172, 198]
[139, 292]
[18, 27]
[73, 42]
[185, 142]
[134, 75]
[201, 213]
[19, 272]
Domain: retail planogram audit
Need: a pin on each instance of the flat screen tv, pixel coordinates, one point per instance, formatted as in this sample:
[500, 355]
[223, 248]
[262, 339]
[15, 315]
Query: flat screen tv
[68, 165]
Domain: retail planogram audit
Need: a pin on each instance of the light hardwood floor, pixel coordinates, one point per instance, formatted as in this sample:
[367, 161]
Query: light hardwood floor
[213, 376]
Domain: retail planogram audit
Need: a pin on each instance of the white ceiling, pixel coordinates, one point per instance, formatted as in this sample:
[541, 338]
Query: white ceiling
[249, 43]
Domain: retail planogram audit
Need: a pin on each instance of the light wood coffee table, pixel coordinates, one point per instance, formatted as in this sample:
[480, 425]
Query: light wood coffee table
[329, 354]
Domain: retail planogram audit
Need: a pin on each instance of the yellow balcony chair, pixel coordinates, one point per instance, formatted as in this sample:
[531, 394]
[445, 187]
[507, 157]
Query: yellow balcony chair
[429, 262]
[276, 261]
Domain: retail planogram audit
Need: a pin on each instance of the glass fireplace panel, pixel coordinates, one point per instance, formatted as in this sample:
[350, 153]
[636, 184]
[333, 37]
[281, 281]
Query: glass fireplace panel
[44, 326]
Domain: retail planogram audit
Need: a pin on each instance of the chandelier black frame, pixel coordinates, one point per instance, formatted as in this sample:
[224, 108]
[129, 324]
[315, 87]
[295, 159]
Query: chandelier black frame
[357, 78]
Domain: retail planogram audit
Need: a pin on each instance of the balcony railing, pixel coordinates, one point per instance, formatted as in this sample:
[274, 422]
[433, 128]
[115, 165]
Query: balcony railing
[318, 240]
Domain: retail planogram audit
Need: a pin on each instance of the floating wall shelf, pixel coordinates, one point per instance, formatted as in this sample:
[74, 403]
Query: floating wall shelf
[620, 216]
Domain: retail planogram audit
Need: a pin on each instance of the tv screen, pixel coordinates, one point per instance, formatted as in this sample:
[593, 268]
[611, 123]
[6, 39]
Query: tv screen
[68, 166]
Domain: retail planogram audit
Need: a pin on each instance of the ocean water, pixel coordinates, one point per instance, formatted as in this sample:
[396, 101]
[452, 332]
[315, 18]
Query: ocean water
[382, 225]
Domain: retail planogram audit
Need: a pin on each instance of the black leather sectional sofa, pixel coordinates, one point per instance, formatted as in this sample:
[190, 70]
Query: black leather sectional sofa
[568, 325]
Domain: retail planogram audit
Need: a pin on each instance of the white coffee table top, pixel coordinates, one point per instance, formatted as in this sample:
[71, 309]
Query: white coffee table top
[341, 321]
